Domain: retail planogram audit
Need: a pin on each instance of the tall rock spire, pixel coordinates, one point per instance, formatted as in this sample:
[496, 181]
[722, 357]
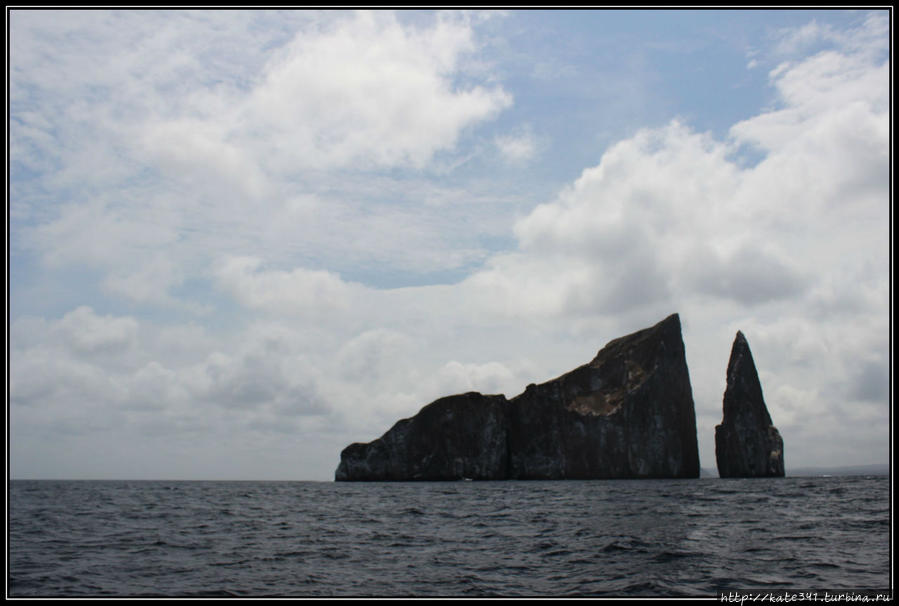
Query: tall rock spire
[746, 442]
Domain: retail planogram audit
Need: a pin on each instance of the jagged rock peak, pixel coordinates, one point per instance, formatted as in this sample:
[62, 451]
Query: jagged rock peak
[746, 442]
[743, 396]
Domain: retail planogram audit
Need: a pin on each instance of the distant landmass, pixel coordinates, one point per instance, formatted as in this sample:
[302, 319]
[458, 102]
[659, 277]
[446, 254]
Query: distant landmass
[849, 470]
[798, 472]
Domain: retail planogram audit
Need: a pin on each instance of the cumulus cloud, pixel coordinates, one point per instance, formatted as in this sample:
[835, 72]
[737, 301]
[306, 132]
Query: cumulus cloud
[213, 388]
[618, 237]
[360, 89]
[748, 275]
[368, 89]
[672, 212]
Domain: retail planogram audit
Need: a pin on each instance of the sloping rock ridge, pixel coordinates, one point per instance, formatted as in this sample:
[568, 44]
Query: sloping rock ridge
[747, 445]
[629, 413]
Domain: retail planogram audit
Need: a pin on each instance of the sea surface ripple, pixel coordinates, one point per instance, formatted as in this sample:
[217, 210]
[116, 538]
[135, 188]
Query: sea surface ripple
[530, 539]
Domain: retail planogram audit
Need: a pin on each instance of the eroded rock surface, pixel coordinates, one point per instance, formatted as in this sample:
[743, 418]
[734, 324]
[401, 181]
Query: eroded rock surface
[629, 413]
[746, 442]
[461, 436]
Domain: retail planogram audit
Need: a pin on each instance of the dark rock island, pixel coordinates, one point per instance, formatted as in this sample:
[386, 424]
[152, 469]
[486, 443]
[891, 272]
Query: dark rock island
[627, 414]
[746, 443]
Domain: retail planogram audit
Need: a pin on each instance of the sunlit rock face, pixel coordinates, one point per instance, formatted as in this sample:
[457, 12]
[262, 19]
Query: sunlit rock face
[747, 445]
[628, 413]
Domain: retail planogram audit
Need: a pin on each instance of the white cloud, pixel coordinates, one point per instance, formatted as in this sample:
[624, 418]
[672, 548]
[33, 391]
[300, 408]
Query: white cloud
[360, 89]
[517, 148]
[655, 184]
[299, 291]
[199, 152]
[151, 281]
[97, 233]
[76, 381]
[88, 333]
[154, 392]
[868, 36]
[372, 354]
[796, 40]
[749, 275]
[488, 378]
[618, 238]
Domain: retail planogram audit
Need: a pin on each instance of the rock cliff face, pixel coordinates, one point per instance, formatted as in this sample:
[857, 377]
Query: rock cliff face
[627, 414]
[461, 436]
[746, 443]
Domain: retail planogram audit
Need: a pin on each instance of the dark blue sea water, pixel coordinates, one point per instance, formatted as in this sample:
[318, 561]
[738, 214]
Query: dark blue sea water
[566, 538]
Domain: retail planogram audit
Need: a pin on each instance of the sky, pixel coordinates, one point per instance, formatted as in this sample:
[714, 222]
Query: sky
[239, 241]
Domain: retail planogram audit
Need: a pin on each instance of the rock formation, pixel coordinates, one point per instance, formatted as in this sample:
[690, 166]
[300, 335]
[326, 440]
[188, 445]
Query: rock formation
[627, 414]
[462, 436]
[746, 443]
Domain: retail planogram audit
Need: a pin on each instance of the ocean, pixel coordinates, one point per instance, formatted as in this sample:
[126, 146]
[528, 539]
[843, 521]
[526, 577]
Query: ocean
[448, 539]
